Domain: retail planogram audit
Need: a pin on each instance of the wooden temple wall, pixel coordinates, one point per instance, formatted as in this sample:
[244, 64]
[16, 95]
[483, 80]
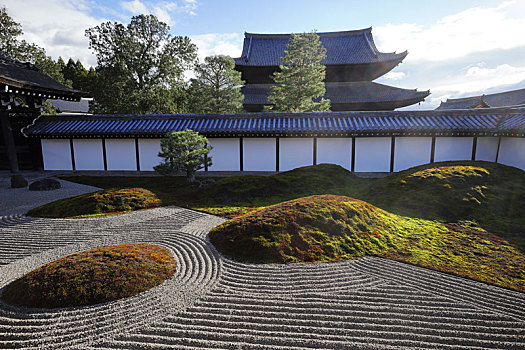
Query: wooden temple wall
[359, 154]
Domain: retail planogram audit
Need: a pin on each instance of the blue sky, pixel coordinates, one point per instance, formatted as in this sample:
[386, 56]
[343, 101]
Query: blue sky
[456, 48]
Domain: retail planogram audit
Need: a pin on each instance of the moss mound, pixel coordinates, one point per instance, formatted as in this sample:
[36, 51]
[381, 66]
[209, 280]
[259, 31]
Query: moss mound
[110, 201]
[332, 228]
[310, 229]
[491, 194]
[93, 276]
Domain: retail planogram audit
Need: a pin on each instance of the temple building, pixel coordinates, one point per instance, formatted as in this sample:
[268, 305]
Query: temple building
[513, 98]
[352, 62]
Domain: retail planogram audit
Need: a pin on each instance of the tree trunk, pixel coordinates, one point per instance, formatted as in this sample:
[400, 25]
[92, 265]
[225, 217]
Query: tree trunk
[190, 176]
[9, 141]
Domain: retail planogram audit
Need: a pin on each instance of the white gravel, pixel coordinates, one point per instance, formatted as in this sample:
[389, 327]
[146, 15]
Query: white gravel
[15, 201]
[216, 303]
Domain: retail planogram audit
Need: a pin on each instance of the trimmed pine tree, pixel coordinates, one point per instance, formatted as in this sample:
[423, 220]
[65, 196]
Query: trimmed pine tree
[300, 82]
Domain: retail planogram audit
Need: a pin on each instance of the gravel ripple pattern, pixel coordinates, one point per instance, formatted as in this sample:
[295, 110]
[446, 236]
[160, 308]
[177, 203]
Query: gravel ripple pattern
[216, 303]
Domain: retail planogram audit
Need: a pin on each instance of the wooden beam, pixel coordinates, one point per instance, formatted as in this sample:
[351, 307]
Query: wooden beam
[277, 154]
[497, 151]
[137, 155]
[474, 147]
[9, 141]
[315, 151]
[392, 153]
[241, 154]
[72, 150]
[352, 161]
[104, 154]
[433, 149]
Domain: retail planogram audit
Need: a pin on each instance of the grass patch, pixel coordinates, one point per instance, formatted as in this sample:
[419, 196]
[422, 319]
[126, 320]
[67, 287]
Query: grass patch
[332, 228]
[100, 203]
[93, 276]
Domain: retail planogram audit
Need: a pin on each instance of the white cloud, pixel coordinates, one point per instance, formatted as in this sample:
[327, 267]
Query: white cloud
[476, 29]
[56, 25]
[218, 44]
[394, 75]
[134, 6]
[479, 79]
[165, 11]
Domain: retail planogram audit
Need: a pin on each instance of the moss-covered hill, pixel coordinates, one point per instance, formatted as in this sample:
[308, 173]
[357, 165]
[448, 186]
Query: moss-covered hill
[332, 228]
[93, 276]
[111, 201]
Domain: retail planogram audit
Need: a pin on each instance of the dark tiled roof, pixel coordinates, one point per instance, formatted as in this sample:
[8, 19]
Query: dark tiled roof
[344, 92]
[486, 122]
[26, 77]
[502, 99]
[350, 47]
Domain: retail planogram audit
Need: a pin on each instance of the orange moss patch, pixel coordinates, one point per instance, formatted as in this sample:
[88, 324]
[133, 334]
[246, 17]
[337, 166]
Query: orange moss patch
[93, 276]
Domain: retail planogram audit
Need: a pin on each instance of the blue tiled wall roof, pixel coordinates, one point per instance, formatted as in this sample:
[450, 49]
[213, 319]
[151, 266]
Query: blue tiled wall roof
[487, 121]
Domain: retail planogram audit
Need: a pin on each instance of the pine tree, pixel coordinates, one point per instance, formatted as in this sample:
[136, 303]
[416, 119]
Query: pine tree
[217, 87]
[300, 81]
[184, 151]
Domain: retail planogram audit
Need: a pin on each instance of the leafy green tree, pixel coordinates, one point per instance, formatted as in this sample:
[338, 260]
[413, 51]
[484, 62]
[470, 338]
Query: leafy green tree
[300, 81]
[184, 151]
[217, 87]
[139, 60]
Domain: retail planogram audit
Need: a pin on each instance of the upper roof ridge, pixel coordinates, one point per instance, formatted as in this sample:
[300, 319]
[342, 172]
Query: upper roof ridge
[321, 34]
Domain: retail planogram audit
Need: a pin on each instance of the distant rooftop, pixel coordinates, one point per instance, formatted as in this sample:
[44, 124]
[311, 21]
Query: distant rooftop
[26, 78]
[347, 47]
[512, 98]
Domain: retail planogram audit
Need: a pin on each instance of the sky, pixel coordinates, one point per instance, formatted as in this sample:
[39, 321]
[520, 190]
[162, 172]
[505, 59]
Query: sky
[456, 48]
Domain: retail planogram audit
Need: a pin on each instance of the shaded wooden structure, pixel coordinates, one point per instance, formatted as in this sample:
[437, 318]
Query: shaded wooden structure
[352, 62]
[23, 90]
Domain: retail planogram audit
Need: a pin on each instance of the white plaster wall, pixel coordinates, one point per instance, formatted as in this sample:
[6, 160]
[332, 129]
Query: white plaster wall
[335, 151]
[512, 152]
[148, 154]
[259, 154]
[295, 153]
[486, 148]
[411, 151]
[56, 154]
[372, 154]
[225, 154]
[120, 154]
[88, 154]
[453, 148]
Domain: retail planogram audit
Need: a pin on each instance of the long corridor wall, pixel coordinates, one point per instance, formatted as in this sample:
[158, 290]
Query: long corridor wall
[358, 154]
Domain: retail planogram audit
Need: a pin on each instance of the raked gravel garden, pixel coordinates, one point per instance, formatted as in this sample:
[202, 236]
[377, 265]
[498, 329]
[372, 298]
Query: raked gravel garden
[213, 302]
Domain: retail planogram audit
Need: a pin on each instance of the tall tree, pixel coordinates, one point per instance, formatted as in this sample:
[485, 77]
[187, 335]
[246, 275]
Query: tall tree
[300, 81]
[217, 87]
[140, 60]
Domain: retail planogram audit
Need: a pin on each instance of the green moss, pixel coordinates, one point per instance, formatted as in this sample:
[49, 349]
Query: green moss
[93, 276]
[332, 228]
[105, 202]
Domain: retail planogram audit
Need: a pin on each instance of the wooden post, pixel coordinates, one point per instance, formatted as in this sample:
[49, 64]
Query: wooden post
[352, 161]
[9, 141]
[433, 149]
[277, 154]
[241, 154]
[315, 150]
[474, 147]
[392, 153]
